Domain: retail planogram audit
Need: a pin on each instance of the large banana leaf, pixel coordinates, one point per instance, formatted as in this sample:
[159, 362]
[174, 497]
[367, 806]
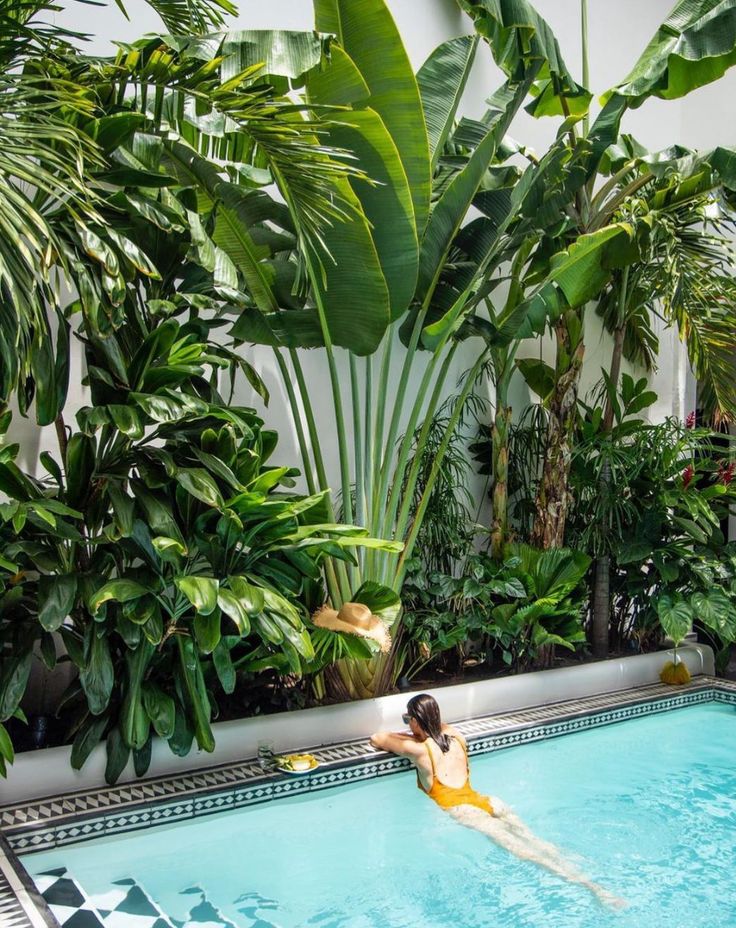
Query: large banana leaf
[362, 28]
[521, 41]
[442, 79]
[694, 46]
[451, 209]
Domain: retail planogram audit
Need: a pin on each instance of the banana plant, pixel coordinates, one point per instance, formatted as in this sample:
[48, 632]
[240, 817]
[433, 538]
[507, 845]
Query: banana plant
[597, 235]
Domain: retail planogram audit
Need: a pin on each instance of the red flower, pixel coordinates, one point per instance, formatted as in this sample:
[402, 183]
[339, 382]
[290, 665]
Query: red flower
[726, 472]
[687, 476]
[690, 420]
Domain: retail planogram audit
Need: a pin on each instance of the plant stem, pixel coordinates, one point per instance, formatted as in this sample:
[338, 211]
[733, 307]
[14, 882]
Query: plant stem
[397, 484]
[311, 424]
[338, 582]
[358, 445]
[298, 424]
[618, 346]
[586, 67]
[431, 480]
[398, 408]
[60, 427]
[408, 491]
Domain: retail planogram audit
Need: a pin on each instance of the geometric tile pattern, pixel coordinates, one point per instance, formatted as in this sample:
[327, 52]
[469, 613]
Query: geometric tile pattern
[123, 905]
[12, 913]
[75, 817]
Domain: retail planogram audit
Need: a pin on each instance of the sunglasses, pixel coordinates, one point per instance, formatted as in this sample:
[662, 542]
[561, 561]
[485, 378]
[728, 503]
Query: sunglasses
[405, 718]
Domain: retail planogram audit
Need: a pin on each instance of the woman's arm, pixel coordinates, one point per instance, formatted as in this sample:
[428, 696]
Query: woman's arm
[396, 742]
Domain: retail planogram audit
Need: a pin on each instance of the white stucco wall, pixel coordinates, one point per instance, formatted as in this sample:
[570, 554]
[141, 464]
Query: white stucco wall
[618, 32]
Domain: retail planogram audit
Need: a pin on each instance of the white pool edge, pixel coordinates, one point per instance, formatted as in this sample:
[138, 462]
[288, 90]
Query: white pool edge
[48, 772]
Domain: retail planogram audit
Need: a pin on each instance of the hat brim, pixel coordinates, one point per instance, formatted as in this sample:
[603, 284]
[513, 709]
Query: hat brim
[376, 630]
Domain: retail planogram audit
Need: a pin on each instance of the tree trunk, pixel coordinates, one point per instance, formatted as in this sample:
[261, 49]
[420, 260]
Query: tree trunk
[553, 496]
[500, 443]
[601, 606]
[614, 371]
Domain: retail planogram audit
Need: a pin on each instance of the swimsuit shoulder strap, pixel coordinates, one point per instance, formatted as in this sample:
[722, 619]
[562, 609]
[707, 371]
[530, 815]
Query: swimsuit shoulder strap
[431, 758]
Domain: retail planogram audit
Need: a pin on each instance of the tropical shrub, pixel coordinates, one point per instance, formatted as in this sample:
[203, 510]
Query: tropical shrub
[658, 515]
[517, 607]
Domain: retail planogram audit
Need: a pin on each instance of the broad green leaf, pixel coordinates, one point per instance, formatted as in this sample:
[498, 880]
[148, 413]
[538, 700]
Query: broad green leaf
[196, 693]
[523, 45]
[87, 739]
[539, 376]
[442, 79]
[716, 611]
[200, 591]
[199, 484]
[694, 46]
[207, 631]
[369, 35]
[169, 549]
[118, 753]
[451, 209]
[386, 202]
[56, 594]
[224, 667]
[281, 52]
[170, 408]
[121, 591]
[232, 606]
[97, 677]
[160, 709]
[675, 616]
[582, 271]
[6, 745]
[232, 233]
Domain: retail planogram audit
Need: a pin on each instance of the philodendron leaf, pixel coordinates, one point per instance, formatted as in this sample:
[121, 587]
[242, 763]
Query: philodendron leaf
[200, 591]
[716, 611]
[675, 616]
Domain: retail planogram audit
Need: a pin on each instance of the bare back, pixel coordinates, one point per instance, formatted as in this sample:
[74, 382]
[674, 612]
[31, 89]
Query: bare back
[450, 768]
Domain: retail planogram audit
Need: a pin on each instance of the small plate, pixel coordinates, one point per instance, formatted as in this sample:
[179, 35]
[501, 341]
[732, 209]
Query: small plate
[314, 763]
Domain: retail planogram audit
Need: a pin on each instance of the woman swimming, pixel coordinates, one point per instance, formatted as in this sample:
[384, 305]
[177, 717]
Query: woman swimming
[440, 755]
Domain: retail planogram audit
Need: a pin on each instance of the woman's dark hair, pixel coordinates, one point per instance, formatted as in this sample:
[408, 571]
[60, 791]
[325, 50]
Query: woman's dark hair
[425, 710]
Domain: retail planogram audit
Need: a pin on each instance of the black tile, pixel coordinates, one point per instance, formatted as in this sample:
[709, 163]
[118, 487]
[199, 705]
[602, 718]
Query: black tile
[63, 892]
[83, 918]
[136, 903]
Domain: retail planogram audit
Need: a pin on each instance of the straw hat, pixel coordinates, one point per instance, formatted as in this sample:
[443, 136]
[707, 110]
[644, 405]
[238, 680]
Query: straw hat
[355, 619]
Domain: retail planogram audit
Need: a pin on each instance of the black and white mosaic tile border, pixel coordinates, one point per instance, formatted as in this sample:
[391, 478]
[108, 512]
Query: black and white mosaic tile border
[73, 818]
[66, 819]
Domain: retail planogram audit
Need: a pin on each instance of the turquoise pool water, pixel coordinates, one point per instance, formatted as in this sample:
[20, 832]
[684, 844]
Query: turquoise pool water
[647, 807]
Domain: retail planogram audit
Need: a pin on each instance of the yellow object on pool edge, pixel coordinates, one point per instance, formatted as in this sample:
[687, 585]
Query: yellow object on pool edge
[297, 763]
[674, 674]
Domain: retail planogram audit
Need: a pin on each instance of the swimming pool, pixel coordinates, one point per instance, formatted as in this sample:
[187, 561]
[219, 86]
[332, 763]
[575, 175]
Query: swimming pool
[647, 807]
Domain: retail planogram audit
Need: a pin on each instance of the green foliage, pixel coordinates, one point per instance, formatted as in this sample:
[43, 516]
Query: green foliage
[184, 560]
[530, 600]
[658, 514]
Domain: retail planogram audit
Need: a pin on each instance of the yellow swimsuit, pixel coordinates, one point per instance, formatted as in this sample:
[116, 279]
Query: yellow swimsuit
[449, 796]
